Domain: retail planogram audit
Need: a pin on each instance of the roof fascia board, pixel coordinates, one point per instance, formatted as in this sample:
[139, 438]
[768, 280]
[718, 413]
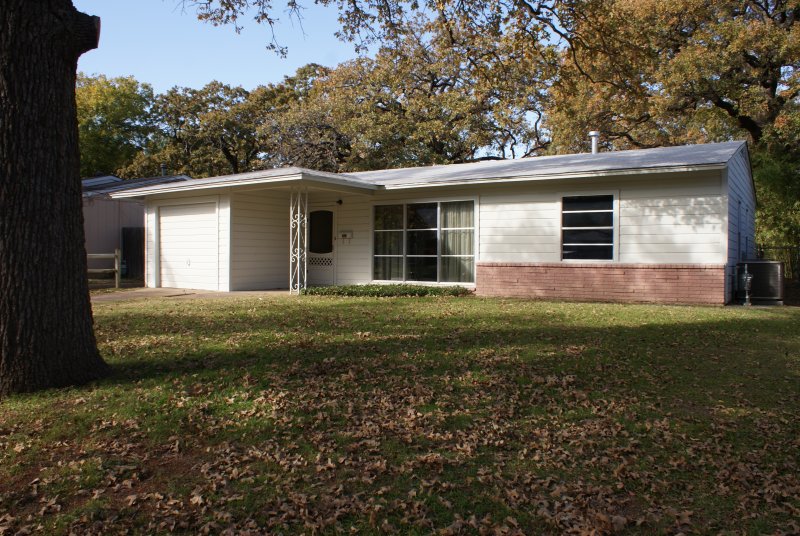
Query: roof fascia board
[562, 176]
[189, 187]
[353, 185]
[251, 181]
[345, 182]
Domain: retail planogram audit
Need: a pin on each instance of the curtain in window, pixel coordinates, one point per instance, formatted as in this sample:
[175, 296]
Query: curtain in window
[457, 269]
[458, 214]
[388, 268]
[458, 242]
[457, 238]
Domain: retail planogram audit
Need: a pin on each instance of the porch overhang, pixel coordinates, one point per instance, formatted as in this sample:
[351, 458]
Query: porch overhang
[284, 178]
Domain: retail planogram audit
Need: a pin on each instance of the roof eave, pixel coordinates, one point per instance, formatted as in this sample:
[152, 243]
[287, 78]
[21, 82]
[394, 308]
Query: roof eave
[325, 181]
[560, 176]
[342, 183]
[328, 182]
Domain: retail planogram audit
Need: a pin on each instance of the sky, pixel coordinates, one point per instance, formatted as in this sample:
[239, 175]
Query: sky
[158, 42]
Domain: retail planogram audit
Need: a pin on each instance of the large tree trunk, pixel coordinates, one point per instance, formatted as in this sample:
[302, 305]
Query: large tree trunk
[46, 334]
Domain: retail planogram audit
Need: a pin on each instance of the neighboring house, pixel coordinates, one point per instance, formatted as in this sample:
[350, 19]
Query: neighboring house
[658, 225]
[105, 218]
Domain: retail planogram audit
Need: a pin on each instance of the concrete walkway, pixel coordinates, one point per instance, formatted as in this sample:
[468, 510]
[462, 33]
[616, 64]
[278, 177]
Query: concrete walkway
[179, 294]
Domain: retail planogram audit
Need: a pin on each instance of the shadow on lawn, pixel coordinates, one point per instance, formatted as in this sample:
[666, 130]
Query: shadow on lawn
[676, 360]
[292, 413]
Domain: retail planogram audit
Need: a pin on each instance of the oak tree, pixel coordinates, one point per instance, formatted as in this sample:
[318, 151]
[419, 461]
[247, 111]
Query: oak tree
[114, 121]
[201, 132]
[46, 336]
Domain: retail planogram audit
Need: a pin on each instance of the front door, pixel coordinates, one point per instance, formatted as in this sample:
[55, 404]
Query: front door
[321, 254]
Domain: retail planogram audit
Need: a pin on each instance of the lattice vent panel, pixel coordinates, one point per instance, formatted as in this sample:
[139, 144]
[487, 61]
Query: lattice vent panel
[320, 261]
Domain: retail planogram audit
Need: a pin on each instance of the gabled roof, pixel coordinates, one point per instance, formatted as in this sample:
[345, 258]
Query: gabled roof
[107, 184]
[585, 165]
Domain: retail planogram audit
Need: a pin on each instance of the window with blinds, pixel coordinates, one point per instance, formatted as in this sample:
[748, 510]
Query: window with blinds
[587, 227]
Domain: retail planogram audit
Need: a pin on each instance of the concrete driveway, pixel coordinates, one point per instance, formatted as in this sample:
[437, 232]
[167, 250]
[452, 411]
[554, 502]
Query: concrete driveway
[178, 294]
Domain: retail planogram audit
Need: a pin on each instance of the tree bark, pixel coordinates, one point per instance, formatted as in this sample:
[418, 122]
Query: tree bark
[46, 326]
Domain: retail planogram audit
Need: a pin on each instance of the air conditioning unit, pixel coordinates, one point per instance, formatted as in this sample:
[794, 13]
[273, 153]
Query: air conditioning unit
[766, 287]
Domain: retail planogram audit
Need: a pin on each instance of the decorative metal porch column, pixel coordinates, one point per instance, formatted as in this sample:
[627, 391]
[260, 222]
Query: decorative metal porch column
[298, 233]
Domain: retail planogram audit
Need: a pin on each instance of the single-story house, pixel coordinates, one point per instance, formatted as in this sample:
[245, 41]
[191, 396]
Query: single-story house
[104, 218]
[664, 225]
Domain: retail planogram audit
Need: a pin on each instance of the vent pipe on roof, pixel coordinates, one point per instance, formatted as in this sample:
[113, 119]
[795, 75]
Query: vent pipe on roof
[595, 136]
[163, 170]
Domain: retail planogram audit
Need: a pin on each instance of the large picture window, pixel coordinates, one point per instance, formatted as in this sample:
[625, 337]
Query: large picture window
[587, 227]
[425, 242]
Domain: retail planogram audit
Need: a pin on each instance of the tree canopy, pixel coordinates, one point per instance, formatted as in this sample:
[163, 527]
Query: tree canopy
[651, 73]
[114, 121]
[416, 104]
[458, 81]
[453, 81]
[201, 132]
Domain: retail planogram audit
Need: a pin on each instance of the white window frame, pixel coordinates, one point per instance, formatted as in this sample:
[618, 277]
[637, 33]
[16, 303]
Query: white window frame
[615, 223]
[438, 256]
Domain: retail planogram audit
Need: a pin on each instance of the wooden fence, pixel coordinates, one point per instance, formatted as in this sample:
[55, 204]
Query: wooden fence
[117, 270]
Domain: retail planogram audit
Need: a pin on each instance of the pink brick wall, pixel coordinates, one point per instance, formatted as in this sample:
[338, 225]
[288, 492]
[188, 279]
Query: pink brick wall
[644, 283]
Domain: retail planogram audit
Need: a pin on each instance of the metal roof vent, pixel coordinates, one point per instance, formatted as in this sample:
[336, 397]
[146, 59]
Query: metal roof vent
[595, 136]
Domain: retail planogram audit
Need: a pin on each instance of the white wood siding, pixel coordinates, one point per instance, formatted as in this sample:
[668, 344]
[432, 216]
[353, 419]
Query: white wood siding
[224, 244]
[520, 223]
[675, 221]
[354, 256]
[259, 236]
[662, 219]
[189, 246]
[741, 208]
[151, 245]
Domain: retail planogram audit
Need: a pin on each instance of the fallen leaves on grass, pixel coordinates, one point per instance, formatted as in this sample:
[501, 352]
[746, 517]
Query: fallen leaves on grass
[413, 438]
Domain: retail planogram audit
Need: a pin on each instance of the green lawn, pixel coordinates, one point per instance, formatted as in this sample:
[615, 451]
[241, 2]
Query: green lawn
[415, 415]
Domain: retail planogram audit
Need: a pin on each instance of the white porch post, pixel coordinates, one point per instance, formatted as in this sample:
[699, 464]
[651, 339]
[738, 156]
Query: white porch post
[298, 229]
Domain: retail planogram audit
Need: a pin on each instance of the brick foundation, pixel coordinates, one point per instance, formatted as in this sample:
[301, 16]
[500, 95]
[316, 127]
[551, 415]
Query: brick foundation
[636, 283]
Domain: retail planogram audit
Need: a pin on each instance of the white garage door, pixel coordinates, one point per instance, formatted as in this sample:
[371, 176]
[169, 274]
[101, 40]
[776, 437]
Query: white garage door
[188, 246]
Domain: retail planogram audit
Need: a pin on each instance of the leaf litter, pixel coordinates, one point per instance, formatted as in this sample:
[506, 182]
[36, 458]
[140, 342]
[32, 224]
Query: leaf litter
[374, 426]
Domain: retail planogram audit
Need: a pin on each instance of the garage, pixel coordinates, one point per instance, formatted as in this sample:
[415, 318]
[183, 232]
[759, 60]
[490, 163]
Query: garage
[188, 237]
